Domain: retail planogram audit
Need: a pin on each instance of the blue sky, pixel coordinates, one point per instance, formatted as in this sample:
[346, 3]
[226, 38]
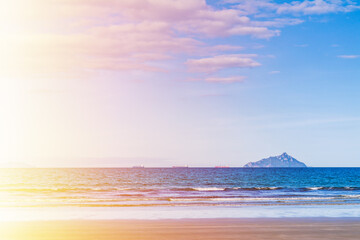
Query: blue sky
[182, 82]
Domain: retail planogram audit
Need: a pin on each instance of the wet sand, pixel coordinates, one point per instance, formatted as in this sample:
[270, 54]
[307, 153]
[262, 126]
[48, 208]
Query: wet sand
[247, 229]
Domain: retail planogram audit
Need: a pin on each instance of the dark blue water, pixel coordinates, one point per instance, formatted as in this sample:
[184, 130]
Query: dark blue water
[125, 187]
[245, 177]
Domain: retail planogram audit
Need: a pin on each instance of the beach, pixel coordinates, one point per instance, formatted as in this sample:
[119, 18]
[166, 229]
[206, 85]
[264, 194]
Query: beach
[165, 203]
[269, 229]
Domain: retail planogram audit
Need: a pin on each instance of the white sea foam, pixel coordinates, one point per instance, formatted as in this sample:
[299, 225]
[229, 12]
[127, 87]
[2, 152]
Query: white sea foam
[350, 196]
[247, 199]
[314, 188]
[208, 189]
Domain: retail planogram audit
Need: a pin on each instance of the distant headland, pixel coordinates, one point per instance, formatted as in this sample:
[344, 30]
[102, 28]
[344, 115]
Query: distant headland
[283, 160]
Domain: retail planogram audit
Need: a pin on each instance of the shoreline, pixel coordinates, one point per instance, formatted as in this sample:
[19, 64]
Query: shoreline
[260, 228]
[180, 212]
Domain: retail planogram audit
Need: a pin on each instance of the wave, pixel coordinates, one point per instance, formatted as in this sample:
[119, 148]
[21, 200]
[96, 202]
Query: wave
[261, 199]
[350, 196]
[211, 189]
[134, 190]
[314, 188]
[330, 188]
[212, 198]
[208, 189]
[61, 189]
[259, 188]
[267, 189]
[273, 188]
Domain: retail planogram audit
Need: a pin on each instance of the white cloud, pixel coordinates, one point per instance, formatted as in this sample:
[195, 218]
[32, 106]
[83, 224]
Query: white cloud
[349, 56]
[317, 7]
[307, 7]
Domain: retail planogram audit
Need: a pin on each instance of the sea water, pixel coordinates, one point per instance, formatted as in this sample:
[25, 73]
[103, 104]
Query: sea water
[150, 193]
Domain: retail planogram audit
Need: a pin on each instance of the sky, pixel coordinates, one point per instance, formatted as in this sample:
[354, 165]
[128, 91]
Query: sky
[93, 83]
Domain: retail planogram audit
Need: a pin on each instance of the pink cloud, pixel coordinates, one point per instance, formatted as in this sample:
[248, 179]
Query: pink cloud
[223, 48]
[74, 36]
[187, 16]
[216, 63]
[219, 23]
[232, 79]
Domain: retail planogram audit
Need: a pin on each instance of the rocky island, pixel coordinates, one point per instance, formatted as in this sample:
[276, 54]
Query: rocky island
[283, 160]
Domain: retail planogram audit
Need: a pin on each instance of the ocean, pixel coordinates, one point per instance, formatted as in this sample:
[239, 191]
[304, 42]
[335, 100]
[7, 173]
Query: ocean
[181, 192]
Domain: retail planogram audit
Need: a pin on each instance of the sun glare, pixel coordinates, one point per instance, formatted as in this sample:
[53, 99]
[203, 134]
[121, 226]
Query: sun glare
[10, 121]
